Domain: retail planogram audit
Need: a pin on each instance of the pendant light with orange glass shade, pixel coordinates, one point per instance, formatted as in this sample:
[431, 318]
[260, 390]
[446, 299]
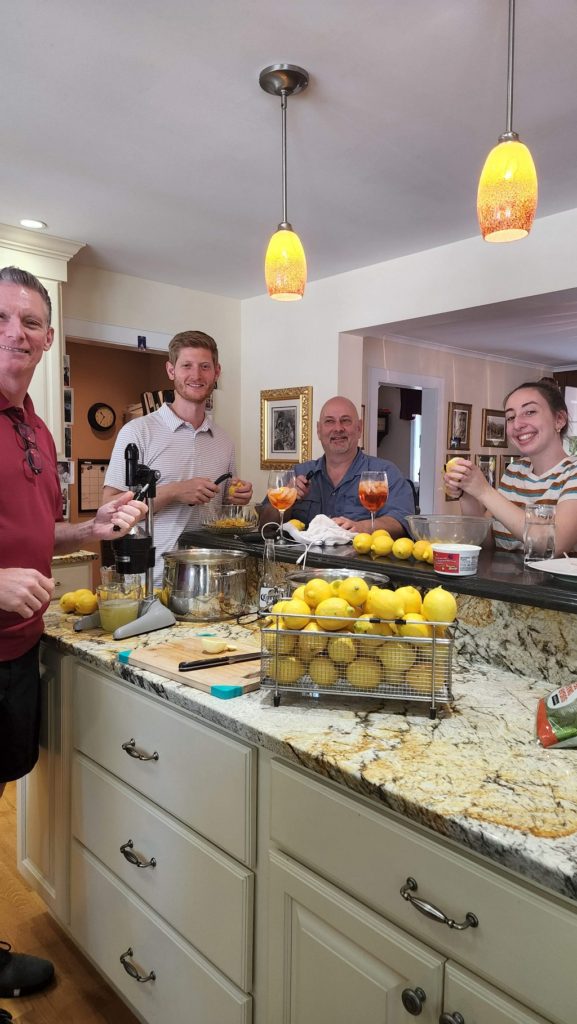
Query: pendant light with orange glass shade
[285, 262]
[507, 195]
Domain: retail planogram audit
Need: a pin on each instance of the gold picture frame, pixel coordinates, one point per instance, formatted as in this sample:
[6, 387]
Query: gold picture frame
[285, 427]
[493, 429]
[459, 427]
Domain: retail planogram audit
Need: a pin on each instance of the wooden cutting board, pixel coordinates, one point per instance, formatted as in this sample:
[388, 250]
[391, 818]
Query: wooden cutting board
[222, 681]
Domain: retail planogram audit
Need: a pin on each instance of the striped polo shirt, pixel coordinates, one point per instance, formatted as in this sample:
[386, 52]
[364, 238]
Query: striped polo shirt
[178, 451]
[522, 486]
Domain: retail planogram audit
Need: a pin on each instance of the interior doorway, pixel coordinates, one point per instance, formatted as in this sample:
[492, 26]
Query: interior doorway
[432, 391]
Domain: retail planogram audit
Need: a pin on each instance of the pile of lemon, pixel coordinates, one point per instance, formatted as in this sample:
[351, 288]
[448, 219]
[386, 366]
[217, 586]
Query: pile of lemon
[81, 602]
[381, 543]
[334, 632]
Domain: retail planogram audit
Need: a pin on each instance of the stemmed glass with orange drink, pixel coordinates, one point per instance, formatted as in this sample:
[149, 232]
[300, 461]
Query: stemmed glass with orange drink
[373, 491]
[282, 494]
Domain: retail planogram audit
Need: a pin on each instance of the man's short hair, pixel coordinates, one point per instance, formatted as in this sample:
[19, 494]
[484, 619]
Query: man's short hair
[14, 275]
[192, 339]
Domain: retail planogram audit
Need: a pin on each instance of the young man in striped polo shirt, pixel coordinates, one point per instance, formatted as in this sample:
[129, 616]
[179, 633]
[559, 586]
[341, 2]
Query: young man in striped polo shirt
[183, 444]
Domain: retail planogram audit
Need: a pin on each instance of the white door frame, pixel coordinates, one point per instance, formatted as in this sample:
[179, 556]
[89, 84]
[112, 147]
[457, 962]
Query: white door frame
[431, 433]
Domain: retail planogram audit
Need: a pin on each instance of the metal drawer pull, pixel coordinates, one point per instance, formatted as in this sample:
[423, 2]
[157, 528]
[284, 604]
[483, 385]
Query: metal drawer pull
[132, 970]
[133, 858]
[429, 910]
[451, 1018]
[413, 999]
[133, 751]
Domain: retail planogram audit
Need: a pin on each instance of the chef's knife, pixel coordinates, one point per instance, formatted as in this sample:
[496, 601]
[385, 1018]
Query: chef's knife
[230, 659]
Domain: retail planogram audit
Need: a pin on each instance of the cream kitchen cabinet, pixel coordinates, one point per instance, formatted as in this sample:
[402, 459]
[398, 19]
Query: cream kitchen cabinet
[162, 827]
[517, 941]
[76, 576]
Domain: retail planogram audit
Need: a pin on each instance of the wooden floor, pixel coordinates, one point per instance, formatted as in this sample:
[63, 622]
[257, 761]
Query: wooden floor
[78, 995]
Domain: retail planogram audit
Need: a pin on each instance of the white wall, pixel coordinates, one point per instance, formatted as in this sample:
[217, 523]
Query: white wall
[99, 297]
[293, 344]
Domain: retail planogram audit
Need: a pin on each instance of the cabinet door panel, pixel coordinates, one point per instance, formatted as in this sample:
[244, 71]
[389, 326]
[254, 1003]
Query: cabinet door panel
[479, 1003]
[332, 961]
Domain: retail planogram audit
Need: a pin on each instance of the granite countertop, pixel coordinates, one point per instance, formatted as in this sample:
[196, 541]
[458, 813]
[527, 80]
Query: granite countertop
[475, 774]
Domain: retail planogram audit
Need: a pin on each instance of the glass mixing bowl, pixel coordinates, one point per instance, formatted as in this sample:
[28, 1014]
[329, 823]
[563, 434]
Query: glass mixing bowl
[449, 529]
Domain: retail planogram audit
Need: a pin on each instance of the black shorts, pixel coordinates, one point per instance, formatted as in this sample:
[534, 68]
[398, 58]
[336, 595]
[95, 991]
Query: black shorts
[19, 715]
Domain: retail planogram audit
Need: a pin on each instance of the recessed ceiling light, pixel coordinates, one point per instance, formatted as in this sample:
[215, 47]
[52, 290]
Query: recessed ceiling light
[35, 225]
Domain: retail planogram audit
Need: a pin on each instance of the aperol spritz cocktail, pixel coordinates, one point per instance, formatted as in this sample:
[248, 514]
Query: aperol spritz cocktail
[373, 492]
[282, 494]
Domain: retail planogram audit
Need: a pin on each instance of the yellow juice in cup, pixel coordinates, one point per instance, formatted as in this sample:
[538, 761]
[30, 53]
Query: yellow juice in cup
[117, 612]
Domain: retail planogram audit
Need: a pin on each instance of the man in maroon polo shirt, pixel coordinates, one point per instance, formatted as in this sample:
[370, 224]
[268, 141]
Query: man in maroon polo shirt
[31, 531]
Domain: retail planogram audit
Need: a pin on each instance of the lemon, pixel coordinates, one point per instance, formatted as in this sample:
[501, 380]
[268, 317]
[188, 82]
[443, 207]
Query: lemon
[382, 545]
[316, 590]
[365, 673]
[354, 590]
[384, 603]
[300, 593]
[403, 547]
[342, 649]
[278, 640]
[364, 627]
[381, 533]
[297, 613]
[278, 607]
[335, 587]
[68, 601]
[297, 523]
[286, 670]
[423, 551]
[332, 611]
[410, 598]
[85, 603]
[420, 677]
[396, 658]
[310, 641]
[415, 625]
[210, 646]
[449, 465]
[323, 671]
[439, 605]
[362, 543]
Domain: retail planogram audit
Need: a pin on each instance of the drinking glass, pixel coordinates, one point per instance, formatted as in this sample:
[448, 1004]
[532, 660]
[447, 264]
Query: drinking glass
[539, 532]
[282, 494]
[373, 492]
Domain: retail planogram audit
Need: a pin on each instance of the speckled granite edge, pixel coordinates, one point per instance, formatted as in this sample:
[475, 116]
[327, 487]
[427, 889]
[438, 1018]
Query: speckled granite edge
[74, 558]
[475, 775]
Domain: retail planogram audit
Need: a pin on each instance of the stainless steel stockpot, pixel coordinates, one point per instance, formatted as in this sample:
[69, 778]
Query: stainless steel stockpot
[205, 584]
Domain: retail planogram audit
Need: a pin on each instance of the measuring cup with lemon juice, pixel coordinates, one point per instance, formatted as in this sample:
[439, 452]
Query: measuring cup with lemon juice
[117, 606]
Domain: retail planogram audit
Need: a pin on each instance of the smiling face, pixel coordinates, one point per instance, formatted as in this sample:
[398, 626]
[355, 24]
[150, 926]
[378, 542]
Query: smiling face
[531, 425]
[24, 336]
[193, 375]
[339, 428]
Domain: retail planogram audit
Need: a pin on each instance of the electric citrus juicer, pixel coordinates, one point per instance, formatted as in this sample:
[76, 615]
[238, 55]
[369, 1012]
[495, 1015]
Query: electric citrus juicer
[134, 556]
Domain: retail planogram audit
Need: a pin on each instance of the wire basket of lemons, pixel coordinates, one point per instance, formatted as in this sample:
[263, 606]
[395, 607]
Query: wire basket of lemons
[355, 638]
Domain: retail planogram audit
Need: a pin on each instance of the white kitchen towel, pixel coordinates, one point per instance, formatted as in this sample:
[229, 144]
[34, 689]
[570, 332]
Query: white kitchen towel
[320, 532]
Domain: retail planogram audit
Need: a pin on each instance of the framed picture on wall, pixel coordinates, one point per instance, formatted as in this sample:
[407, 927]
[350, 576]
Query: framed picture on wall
[504, 461]
[91, 473]
[285, 427]
[488, 466]
[459, 426]
[493, 429]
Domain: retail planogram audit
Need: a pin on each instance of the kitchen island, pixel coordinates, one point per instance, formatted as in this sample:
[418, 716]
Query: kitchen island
[316, 815]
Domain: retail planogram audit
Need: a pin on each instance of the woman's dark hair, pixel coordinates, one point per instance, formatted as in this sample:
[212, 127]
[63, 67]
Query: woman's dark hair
[551, 392]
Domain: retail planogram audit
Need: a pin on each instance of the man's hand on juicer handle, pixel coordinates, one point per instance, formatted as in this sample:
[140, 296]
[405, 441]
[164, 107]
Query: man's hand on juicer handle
[117, 517]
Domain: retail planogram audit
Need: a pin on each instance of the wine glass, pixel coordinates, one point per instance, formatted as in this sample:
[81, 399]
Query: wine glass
[282, 494]
[373, 491]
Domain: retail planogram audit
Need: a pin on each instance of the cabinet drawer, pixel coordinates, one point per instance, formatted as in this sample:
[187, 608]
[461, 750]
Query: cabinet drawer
[201, 776]
[107, 920]
[370, 853]
[71, 577]
[201, 892]
[481, 1004]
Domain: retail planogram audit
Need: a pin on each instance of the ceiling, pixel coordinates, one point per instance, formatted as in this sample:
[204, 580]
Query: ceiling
[140, 128]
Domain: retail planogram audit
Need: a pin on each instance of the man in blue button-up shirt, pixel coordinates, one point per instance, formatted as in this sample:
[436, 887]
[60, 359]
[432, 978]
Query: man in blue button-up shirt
[333, 485]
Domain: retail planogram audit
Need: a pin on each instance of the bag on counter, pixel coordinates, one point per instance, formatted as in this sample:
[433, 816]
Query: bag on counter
[557, 718]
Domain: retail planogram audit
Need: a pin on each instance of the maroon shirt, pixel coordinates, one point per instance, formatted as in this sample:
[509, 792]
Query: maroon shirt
[30, 504]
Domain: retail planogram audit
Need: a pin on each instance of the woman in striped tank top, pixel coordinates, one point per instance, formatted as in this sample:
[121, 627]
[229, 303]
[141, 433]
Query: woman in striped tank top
[536, 416]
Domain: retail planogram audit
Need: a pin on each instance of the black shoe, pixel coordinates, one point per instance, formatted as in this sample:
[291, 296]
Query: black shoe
[20, 975]
[4, 1016]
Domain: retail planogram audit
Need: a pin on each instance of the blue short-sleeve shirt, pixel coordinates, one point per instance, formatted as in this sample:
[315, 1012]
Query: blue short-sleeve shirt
[343, 500]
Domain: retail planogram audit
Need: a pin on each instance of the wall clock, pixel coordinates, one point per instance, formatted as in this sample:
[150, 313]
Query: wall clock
[101, 416]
